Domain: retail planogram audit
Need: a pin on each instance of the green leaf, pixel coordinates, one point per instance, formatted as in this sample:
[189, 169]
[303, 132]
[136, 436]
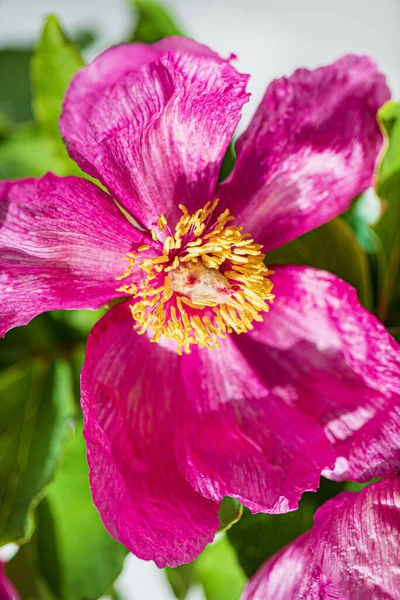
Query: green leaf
[395, 331]
[181, 579]
[15, 88]
[154, 22]
[80, 321]
[23, 573]
[353, 486]
[363, 213]
[84, 38]
[26, 153]
[34, 413]
[327, 489]
[77, 557]
[15, 93]
[5, 126]
[44, 337]
[219, 573]
[257, 537]
[216, 570]
[388, 228]
[54, 62]
[332, 247]
[228, 163]
[389, 116]
[229, 513]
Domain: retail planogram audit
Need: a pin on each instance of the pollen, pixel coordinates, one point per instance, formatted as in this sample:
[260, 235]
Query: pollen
[198, 283]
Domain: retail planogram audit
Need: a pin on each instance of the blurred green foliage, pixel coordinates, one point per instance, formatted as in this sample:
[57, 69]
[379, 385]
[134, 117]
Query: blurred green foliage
[34, 413]
[388, 227]
[216, 571]
[153, 22]
[364, 212]
[15, 92]
[257, 537]
[44, 456]
[333, 247]
[268, 533]
[230, 512]
[76, 556]
[15, 88]
[30, 141]
[23, 571]
[54, 62]
[26, 153]
[70, 556]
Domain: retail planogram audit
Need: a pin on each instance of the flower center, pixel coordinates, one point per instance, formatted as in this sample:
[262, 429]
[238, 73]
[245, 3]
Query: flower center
[201, 284]
[207, 279]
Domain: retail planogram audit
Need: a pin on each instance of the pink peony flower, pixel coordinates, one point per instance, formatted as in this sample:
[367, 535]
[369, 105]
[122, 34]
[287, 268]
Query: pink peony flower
[351, 553]
[299, 374]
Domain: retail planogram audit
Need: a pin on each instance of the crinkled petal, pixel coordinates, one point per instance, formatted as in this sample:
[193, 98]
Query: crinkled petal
[355, 540]
[309, 150]
[130, 390]
[238, 439]
[152, 123]
[116, 62]
[62, 241]
[350, 553]
[373, 450]
[324, 353]
[292, 574]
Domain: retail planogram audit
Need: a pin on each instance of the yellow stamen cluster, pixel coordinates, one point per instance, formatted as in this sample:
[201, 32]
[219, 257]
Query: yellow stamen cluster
[208, 280]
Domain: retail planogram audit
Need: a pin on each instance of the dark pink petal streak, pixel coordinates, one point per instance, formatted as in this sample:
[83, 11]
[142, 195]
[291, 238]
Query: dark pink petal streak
[62, 241]
[309, 150]
[130, 390]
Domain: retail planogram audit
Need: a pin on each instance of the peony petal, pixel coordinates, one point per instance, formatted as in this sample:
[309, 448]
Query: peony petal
[355, 540]
[292, 574]
[240, 440]
[153, 124]
[328, 356]
[309, 150]
[62, 241]
[351, 552]
[130, 391]
[116, 62]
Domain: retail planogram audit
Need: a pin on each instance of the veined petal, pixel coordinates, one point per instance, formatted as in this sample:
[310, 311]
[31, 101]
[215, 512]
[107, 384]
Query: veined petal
[62, 241]
[351, 552]
[130, 390]
[355, 541]
[320, 349]
[292, 574]
[153, 124]
[238, 439]
[309, 150]
[114, 63]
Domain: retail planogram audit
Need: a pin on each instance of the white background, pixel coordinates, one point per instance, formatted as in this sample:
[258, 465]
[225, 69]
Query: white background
[270, 38]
